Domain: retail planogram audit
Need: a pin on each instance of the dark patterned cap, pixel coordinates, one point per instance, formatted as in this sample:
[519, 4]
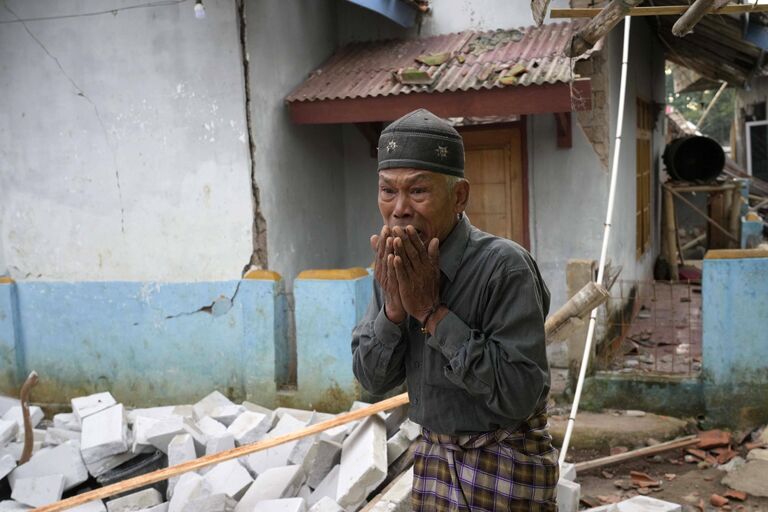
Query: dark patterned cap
[421, 140]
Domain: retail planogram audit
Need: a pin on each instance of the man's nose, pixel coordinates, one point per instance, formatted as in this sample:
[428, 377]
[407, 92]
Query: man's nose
[402, 207]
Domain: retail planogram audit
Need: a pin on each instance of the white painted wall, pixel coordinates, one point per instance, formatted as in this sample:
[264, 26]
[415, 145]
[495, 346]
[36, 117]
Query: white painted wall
[123, 153]
[299, 168]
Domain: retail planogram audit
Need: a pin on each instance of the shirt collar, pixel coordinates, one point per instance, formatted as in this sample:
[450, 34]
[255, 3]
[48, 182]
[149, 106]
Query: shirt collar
[452, 249]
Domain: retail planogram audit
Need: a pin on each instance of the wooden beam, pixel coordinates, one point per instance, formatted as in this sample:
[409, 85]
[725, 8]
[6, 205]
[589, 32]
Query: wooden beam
[539, 10]
[691, 17]
[599, 26]
[506, 101]
[701, 213]
[683, 442]
[563, 125]
[667, 10]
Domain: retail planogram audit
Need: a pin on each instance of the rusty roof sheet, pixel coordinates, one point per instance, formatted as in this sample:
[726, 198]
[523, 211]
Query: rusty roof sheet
[367, 69]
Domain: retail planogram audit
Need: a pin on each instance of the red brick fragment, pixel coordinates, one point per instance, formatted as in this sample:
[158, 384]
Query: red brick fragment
[714, 438]
[736, 495]
[717, 500]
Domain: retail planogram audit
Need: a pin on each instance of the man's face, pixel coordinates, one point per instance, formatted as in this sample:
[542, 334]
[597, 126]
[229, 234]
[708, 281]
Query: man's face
[420, 199]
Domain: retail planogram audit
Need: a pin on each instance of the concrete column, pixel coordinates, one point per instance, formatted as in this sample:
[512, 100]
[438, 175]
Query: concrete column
[329, 304]
[734, 312]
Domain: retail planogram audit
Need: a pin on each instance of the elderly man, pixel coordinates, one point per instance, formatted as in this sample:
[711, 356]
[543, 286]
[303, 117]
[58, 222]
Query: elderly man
[460, 314]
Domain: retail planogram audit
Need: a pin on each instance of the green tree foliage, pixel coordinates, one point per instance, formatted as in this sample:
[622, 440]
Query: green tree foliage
[692, 105]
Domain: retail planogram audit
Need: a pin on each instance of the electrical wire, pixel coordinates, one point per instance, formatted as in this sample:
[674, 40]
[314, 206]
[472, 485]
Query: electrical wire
[158, 3]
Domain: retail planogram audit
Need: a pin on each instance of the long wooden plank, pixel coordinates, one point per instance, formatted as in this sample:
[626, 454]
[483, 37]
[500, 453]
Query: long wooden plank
[209, 460]
[668, 10]
[683, 442]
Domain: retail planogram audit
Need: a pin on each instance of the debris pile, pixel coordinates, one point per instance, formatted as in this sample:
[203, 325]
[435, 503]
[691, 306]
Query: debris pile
[101, 442]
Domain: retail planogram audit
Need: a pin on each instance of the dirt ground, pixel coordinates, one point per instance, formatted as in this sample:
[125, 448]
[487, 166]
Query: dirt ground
[682, 482]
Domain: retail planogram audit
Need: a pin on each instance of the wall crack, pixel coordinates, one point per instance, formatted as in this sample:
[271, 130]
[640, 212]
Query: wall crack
[81, 93]
[220, 306]
[259, 254]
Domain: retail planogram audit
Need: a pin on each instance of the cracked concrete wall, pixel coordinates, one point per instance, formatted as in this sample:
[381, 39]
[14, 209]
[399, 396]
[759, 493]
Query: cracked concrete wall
[123, 149]
[299, 168]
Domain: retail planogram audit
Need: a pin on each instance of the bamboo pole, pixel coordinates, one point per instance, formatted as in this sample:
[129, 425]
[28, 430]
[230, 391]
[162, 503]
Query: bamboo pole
[585, 300]
[734, 220]
[683, 442]
[599, 26]
[669, 230]
[668, 10]
[209, 460]
[691, 17]
[711, 104]
[703, 188]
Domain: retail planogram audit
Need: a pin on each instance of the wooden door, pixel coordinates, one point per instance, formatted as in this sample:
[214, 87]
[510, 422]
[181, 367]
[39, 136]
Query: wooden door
[494, 168]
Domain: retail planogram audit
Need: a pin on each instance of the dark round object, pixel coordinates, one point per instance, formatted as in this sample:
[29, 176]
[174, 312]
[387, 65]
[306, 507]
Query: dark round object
[694, 158]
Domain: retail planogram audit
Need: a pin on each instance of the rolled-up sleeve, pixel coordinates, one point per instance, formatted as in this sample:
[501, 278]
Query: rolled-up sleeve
[378, 349]
[503, 362]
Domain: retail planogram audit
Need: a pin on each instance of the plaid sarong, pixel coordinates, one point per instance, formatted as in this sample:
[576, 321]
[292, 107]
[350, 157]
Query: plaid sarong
[490, 472]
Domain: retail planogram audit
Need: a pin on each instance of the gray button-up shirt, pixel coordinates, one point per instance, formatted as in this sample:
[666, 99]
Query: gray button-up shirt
[486, 366]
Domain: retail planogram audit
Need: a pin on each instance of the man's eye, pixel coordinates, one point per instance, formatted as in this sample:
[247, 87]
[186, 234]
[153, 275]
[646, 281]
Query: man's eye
[387, 191]
[418, 190]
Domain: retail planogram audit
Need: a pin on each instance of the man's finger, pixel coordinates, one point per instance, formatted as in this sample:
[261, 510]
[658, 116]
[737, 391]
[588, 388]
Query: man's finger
[410, 244]
[399, 245]
[407, 264]
[391, 273]
[375, 244]
[400, 271]
[434, 252]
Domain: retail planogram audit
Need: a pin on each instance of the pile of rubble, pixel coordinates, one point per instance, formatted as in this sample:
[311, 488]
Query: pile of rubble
[100, 442]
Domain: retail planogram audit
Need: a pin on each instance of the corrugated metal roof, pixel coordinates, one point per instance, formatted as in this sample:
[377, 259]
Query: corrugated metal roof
[367, 69]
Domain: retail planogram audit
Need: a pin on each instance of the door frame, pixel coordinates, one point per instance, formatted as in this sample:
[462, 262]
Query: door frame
[521, 124]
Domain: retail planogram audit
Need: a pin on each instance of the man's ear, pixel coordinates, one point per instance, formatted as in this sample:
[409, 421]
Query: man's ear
[461, 196]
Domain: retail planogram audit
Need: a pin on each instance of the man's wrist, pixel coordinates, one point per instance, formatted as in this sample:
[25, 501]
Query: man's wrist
[396, 317]
[434, 319]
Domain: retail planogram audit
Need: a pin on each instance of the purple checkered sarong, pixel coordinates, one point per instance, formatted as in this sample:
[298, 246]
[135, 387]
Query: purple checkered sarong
[496, 471]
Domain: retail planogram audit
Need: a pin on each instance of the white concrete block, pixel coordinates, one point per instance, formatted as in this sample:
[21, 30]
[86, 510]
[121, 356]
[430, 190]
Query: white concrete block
[303, 445]
[101, 466]
[56, 436]
[161, 432]
[229, 478]
[226, 414]
[7, 464]
[8, 429]
[396, 446]
[212, 503]
[336, 434]
[305, 492]
[191, 428]
[568, 495]
[568, 471]
[189, 487]
[250, 427]
[104, 433]
[84, 406]
[157, 413]
[15, 414]
[180, 449]
[13, 506]
[220, 443]
[326, 505]
[91, 506]
[139, 429]
[640, 504]
[327, 488]
[363, 462]
[185, 411]
[15, 449]
[299, 414]
[323, 455]
[284, 505]
[6, 402]
[210, 427]
[66, 420]
[410, 429]
[278, 456]
[135, 501]
[398, 497]
[38, 491]
[758, 454]
[250, 406]
[163, 507]
[281, 482]
[64, 460]
[206, 406]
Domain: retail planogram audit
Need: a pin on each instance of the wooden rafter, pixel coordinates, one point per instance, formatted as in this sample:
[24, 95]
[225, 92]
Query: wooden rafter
[663, 10]
[599, 26]
[691, 17]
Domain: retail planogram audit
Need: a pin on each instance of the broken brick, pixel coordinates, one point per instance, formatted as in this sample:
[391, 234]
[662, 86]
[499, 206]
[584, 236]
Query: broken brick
[713, 439]
[643, 480]
[717, 500]
[736, 495]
